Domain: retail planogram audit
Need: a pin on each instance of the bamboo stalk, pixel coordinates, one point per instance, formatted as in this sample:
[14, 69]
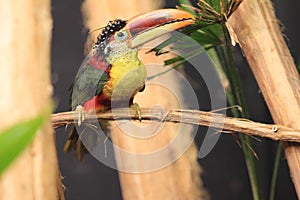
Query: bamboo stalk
[26, 92]
[179, 180]
[255, 27]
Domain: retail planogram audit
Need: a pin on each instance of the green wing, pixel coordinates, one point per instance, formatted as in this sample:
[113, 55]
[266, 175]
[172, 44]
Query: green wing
[89, 81]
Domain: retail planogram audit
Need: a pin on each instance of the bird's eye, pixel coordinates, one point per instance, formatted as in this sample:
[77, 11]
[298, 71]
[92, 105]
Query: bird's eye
[121, 35]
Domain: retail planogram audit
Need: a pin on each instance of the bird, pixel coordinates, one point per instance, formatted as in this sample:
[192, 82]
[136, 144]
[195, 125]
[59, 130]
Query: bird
[112, 74]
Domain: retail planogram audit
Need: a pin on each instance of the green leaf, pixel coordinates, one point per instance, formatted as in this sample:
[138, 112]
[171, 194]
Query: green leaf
[14, 139]
[215, 4]
[186, 2]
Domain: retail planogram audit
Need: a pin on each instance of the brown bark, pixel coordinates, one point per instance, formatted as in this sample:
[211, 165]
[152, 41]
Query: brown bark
[26, 92]
[255, 28]
[227, 125]
[179, 180]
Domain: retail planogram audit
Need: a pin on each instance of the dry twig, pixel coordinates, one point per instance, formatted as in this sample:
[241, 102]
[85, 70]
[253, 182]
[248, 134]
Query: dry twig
[214, 120]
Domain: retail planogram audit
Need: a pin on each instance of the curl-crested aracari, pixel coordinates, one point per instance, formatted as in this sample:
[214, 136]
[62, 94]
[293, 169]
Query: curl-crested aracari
[112, 71]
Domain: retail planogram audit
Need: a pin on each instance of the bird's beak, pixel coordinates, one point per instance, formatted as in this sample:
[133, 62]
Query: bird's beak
[146, 27]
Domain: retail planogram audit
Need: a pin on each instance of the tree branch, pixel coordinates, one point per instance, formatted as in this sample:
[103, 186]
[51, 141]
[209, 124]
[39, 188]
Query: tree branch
[201, 118]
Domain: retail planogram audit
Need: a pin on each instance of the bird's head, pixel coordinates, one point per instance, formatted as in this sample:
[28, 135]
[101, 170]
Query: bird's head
[122, 38]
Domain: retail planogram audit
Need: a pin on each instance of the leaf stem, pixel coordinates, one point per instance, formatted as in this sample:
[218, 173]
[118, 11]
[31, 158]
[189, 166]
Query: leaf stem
[275, 171]
[237, 92]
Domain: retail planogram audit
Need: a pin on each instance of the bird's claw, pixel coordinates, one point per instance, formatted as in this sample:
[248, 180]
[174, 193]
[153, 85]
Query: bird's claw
[81, 114]
[137, 110]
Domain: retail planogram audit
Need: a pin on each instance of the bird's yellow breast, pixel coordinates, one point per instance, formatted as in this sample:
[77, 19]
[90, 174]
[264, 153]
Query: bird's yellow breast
[127, 77]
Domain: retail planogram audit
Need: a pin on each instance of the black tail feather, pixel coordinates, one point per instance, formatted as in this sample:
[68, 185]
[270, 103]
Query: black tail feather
[89, 133]
[73, 142]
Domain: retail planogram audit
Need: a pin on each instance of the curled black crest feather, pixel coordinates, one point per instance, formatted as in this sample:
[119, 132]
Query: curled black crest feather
[107, 32]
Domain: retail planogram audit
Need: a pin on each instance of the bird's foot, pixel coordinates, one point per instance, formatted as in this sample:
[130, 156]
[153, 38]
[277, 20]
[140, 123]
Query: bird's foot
[81, 114]
[137, 110]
